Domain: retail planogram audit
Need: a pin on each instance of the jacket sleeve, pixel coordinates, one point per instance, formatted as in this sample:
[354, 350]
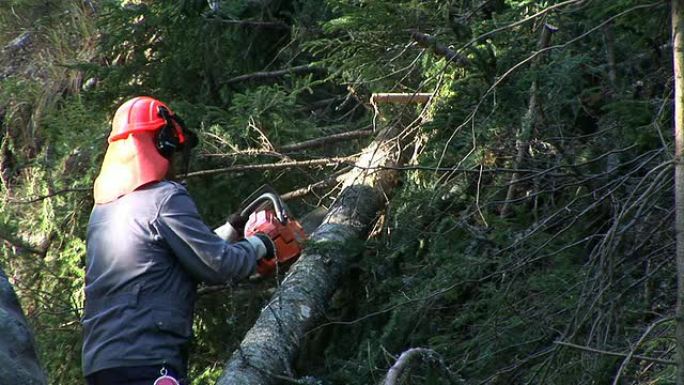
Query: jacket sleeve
[206, 256]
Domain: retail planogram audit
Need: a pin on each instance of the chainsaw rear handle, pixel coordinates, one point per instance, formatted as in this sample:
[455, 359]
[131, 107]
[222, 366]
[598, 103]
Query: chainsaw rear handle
[275, 200]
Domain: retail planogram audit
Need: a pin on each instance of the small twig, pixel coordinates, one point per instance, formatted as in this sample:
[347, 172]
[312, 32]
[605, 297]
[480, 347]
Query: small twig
[614, 354]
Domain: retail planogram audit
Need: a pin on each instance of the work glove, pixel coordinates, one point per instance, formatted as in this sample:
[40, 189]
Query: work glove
[263, 246]
[233, 229]
[238, 222]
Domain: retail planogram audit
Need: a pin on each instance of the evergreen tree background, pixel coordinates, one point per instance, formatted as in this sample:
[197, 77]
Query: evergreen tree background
[506, 287]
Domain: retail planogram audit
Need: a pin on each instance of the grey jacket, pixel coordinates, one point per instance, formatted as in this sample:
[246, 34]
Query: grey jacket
[146, 251]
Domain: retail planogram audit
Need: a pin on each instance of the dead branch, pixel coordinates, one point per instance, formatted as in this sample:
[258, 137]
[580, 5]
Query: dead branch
[331, 180]
[259, 76]
[328, 162]
[630, 355]
[319, 142]
[614, 354]
[430, 42]
[400, 98]
[307, 144]
[407, 358]
[252, 23]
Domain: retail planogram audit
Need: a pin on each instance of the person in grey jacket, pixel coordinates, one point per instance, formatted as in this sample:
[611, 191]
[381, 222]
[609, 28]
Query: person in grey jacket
[147, 249]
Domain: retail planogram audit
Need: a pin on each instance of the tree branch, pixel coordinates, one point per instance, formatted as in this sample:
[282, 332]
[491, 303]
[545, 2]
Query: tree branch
[614, 354]
[298, 70]
[406, 359]
[318, 142]
[400, 98]
[329, 162]
[333, 179]
[252, 23]
[430, 42]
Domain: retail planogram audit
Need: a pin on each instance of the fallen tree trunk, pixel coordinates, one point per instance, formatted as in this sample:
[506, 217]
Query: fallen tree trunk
[269, 348]
[18, 359]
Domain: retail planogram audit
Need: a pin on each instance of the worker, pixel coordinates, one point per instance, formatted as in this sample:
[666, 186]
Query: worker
[147, 248]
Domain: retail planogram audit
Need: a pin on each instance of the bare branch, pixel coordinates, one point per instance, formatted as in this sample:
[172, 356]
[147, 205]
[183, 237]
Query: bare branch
[614, 354]
[333, 179]
[298, 70]
[328, 162]
[631, 355]
[426, 41]
[53, 194]
[318, 142]
[252, 23]
[401, 98]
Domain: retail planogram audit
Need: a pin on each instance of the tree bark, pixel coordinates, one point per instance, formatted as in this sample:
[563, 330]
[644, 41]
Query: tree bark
[678, 59]
[18, 360]
[269, 348]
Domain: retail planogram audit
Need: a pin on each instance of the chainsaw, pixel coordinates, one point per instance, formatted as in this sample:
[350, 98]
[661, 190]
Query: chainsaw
[269, 215]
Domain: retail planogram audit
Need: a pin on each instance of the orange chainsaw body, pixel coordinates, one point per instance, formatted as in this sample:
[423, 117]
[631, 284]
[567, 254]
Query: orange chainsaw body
[287, 234]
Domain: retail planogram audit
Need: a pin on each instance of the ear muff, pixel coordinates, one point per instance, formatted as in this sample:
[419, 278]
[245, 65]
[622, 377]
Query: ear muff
[174, 136]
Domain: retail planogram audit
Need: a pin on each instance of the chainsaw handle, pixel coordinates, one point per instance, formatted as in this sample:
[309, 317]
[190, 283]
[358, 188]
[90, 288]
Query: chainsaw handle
[275, 200]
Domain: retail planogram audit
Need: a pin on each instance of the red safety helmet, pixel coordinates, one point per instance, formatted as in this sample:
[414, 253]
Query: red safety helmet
[145, 133]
